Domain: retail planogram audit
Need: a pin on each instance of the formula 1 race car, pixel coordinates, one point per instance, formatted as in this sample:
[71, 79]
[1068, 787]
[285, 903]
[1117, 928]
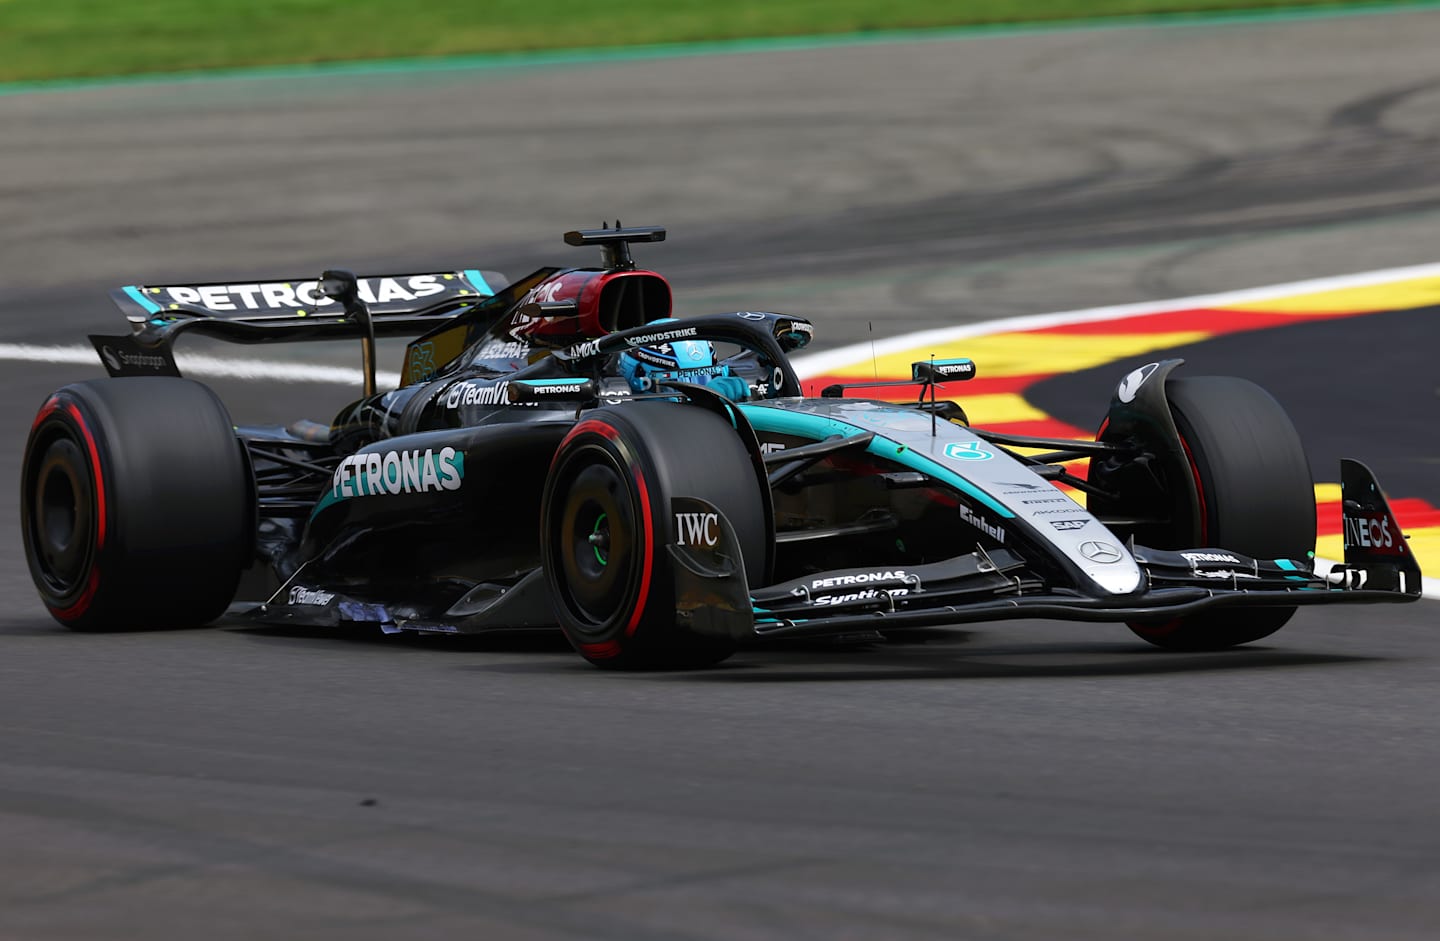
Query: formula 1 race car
[560, 452]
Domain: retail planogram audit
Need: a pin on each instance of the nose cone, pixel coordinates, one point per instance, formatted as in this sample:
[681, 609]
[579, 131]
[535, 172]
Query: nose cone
[1118, 580]
[1109, 566]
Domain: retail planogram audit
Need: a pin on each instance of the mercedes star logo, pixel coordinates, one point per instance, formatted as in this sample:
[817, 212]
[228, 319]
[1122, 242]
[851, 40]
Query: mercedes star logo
[1102, 552]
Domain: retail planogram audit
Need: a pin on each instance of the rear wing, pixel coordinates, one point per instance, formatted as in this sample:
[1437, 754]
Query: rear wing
[258, 302]
[289, 311]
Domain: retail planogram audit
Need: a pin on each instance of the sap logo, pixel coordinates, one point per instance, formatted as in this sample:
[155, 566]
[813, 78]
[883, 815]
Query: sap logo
[1130, 386]
[990, 529]
[1196, 558]
[1369, 532]
[1067, 525]
[395, 472]
[967, 451]
[697, 529]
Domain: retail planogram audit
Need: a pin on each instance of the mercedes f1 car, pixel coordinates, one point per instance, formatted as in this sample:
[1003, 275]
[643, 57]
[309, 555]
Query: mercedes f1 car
[562, 453]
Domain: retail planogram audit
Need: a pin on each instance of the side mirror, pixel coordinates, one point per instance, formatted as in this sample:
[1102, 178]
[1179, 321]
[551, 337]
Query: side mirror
[794, 335]
[341, 285]
[942, 370]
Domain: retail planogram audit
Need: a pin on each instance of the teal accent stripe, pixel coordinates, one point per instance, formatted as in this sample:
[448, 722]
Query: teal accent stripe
[478, 282]
[547, 382]
[800, 424]
[819, 427]
[1289, 565]
[933, 468]
[134, 293]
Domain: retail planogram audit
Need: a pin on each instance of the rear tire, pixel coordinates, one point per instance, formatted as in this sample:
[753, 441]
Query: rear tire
[606, 524]
[136, 504]
[1256, 497]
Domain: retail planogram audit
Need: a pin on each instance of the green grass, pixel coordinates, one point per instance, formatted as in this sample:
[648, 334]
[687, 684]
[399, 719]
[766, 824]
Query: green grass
[48, 39]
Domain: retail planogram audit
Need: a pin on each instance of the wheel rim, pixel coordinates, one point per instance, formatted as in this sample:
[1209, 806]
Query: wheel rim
[598, 540]
[61, 528]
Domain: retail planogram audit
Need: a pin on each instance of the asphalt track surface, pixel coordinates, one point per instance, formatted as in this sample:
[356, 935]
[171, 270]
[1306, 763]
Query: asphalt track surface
[1018, 781]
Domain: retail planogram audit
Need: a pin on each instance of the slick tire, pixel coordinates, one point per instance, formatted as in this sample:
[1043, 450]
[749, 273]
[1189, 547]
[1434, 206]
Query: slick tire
[1256, 496]
[605, 536]
[136, 504]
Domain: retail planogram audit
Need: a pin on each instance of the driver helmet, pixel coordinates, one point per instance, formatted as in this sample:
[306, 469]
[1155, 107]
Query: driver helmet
[642, 364]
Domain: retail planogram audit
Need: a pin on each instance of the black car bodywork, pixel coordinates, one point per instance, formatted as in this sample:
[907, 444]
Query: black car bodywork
[441, 506]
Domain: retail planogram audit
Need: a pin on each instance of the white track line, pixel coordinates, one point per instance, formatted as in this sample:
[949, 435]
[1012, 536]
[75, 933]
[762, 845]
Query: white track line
[200, 364]
[819, 364]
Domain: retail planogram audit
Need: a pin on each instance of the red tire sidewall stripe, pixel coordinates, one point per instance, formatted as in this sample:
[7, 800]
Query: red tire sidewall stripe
[81, 604]
[647, 555]
[94, 452]
[51, 406]
[601, 651]
[590, 425]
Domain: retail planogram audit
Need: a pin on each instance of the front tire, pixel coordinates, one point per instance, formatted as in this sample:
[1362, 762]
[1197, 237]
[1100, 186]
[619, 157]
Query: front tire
[136, 507]
[1255, 493]
[606, 525]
